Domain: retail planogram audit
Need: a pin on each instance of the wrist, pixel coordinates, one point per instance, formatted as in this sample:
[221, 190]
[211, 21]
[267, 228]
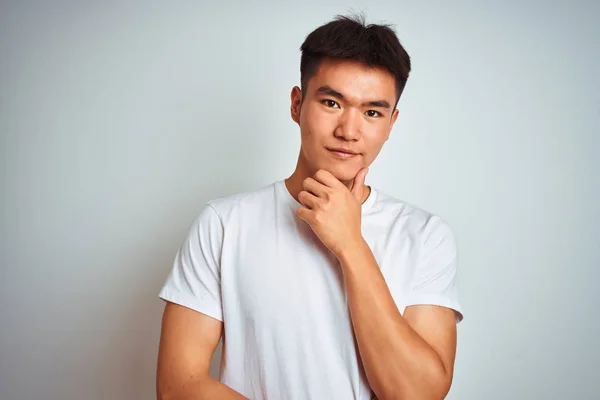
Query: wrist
[352, 250]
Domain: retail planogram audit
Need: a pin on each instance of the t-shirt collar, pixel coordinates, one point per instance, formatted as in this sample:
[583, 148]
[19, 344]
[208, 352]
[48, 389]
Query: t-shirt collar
[286, 195]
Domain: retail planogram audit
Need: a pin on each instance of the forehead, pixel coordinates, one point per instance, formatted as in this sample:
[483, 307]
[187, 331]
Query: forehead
[354, 80]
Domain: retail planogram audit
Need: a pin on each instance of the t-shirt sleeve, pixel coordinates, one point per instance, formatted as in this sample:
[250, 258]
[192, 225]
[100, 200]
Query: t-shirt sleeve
[434, 280]
[194, 280]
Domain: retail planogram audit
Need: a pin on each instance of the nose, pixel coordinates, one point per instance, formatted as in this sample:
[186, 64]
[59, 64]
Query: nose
[349, 125]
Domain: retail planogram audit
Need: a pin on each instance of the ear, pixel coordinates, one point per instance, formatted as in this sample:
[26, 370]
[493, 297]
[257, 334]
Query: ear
[296, 104]
[392, 122]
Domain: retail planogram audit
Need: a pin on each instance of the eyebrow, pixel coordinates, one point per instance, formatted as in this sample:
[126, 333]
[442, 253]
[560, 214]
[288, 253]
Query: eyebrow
[326, 90]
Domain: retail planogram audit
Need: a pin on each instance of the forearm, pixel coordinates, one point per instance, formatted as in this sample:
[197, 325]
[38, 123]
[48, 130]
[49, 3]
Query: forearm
[398, 363]
[202, 389]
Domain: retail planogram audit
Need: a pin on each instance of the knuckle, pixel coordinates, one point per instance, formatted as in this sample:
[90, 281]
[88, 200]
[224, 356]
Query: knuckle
[318, 219]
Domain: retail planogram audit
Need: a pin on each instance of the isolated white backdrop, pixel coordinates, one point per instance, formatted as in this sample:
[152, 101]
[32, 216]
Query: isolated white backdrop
[119, 121]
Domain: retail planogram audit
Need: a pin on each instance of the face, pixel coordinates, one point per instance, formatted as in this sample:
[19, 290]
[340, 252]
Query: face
[345, 118]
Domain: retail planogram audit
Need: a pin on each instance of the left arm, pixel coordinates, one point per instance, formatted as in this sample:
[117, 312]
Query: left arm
[405, 357]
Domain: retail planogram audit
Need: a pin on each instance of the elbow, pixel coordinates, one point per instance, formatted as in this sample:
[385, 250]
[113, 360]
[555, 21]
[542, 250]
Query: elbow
[441, 387]
[173, 391]
[432, 385]
[438, 384]
[442, 380]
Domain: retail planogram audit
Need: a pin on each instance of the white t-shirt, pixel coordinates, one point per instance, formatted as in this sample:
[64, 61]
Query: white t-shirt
[250, 262]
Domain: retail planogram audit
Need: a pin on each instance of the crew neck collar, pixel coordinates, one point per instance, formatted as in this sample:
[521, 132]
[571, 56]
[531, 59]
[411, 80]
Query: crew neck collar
[282, 188]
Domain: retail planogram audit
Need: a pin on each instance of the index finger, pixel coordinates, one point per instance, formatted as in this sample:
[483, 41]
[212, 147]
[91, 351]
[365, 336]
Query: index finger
[327, 179]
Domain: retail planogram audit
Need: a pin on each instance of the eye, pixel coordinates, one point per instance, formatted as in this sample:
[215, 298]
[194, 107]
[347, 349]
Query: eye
[373, 113]
[331, 104]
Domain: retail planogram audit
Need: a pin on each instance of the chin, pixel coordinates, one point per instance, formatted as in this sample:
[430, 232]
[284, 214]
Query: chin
[345, 176]
[344, 173]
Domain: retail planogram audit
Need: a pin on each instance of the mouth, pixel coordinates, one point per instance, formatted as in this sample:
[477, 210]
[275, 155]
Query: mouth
[342, 153]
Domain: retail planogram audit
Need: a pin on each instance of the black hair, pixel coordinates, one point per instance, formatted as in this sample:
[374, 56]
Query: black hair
[350, 38]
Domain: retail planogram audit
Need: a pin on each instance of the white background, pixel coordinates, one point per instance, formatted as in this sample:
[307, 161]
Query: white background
[119, 121]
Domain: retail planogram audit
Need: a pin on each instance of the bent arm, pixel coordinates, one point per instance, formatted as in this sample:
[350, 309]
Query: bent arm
[407, 357]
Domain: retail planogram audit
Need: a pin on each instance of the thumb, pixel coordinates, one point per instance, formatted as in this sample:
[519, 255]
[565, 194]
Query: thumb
[359, 181]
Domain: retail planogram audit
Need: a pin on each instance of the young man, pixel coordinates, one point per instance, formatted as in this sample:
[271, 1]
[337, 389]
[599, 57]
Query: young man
[322, 287]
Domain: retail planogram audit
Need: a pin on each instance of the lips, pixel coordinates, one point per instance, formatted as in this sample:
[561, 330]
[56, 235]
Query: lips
[340, 150]
[342, 153]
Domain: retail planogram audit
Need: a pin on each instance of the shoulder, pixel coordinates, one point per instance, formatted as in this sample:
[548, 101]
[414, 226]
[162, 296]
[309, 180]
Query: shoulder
[248, 202]
[413, 220]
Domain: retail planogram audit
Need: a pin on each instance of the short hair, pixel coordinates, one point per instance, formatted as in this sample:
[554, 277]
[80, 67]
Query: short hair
[350, 38]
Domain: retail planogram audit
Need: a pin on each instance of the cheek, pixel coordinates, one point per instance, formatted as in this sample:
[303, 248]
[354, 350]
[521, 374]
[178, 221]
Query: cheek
[315, 125]
[374, 144]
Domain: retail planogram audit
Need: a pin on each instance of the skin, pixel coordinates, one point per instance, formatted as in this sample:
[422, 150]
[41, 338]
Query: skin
[328, 121]
[408, 356]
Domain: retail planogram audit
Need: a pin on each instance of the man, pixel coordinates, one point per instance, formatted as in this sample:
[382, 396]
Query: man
[322, 287]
